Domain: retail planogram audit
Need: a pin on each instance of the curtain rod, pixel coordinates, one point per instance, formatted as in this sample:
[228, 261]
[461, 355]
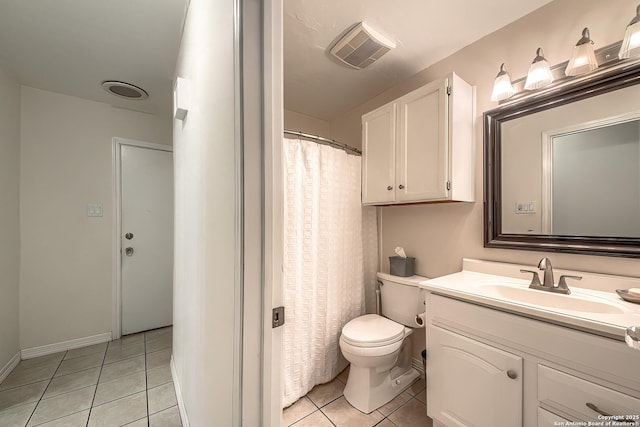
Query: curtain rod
[323, 140]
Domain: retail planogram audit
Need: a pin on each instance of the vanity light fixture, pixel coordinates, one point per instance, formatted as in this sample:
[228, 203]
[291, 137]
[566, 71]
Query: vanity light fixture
[502, 87]
[539, 73]
[631, 42]
[583, 58]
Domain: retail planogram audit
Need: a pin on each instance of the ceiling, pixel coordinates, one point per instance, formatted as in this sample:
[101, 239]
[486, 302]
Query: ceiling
[425, 32]
[72, 46]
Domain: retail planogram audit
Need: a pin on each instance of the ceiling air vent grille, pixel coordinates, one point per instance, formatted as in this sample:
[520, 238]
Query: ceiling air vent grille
[361, 46]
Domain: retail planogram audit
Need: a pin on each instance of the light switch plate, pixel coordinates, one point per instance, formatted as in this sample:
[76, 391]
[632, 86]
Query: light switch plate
[526, 207]
[94, 209]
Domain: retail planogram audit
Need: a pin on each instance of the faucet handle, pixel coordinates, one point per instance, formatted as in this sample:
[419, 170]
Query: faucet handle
[562, 283]
[535, 280]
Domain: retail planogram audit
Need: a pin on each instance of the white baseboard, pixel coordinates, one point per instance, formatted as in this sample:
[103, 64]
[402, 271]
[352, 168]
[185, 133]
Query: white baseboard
[32, 352]
[417, 365]
[176, 386]
[6, 369]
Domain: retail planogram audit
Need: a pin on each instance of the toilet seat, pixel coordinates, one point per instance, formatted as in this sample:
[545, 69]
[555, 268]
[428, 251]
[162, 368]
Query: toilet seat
[372, 330]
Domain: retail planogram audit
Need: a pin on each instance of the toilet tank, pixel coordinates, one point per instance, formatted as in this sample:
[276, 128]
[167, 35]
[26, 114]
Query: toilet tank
[401, 298]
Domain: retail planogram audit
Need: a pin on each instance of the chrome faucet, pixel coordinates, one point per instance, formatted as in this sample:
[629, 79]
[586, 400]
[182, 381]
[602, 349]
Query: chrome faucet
[545, 265]
[548, 281]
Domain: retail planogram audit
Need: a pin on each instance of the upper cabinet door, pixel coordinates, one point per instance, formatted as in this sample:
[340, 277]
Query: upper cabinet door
[422, 146]
[378, 163]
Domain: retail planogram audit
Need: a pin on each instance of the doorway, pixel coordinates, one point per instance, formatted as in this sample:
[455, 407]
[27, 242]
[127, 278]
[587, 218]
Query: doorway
[143, 240]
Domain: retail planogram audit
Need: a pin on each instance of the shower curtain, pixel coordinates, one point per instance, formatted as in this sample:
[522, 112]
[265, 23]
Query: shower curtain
[330, 258]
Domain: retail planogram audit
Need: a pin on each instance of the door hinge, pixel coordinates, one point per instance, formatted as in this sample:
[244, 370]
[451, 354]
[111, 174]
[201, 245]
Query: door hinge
[448, 90]
[277, 317]
[448, 185]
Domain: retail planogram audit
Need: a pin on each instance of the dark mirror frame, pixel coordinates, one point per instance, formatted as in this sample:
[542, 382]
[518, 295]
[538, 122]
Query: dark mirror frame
[601, 81]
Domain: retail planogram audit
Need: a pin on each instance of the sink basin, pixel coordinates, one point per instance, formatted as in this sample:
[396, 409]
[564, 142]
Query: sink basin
[551, 300]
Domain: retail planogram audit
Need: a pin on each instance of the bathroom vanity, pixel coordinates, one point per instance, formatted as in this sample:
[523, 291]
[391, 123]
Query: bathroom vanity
[501, 354]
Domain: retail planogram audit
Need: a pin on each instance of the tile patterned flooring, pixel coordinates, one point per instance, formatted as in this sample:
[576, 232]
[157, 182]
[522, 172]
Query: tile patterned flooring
[123, 382]
[127, 382]
[325, 405]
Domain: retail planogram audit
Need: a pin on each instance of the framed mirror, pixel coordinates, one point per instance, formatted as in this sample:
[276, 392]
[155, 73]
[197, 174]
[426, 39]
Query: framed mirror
[562, 166]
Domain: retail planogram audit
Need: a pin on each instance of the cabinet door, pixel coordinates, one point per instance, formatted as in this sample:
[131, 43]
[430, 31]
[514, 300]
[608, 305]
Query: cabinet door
[422, 148]
[378, 158]
[470, 383]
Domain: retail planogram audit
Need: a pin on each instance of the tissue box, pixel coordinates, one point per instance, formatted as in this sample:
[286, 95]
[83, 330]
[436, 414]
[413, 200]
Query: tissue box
[402, 267]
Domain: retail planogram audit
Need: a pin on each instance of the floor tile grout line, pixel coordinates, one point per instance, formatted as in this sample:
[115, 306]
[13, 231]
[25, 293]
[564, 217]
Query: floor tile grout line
[84, 355]
[31, 382]
[123, 359]
[118, 398]
[45, 389]
[59, 418]
[156, 351]
[95, 392]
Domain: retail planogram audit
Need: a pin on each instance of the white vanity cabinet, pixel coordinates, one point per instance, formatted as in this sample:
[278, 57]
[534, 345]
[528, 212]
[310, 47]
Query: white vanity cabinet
[488, 368]
[477, 384]
[419, 148]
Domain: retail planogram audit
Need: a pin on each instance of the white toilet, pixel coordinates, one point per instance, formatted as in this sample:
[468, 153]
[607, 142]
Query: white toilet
[376, 346]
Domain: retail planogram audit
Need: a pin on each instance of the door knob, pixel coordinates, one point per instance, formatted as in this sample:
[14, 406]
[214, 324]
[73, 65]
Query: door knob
[128, 236]
[401, 186]
[128, 251]
[389, 188]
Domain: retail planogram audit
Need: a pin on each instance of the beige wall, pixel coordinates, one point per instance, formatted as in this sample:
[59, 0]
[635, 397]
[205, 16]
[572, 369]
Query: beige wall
[66, 257]
[307, 124]
[9, 217]
[205, 215]
[439, 236]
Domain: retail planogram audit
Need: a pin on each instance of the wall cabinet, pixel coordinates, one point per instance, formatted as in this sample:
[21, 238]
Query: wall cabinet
[490, 368]
[420, 147]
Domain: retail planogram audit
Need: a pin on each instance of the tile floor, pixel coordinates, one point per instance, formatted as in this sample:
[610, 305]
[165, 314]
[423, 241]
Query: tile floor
[123, 382]
[325, 405]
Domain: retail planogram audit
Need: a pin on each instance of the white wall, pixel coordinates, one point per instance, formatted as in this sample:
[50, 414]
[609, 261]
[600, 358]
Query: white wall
[602, 162]
[522, 155]
[66, 257]
[205, 217]
[440, 235]
[9, 217]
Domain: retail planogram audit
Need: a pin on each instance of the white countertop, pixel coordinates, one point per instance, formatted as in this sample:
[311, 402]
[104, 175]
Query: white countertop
[480, 288]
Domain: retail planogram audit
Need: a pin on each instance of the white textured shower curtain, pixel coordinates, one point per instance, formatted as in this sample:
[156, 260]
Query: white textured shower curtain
[330, 257]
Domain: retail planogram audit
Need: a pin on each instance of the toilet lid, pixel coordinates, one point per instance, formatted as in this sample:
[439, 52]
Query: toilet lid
[372, 330]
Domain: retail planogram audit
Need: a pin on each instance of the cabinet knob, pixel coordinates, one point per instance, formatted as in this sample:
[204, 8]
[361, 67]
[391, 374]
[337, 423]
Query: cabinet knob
[512, 374]
[389, 188]
[401, 186]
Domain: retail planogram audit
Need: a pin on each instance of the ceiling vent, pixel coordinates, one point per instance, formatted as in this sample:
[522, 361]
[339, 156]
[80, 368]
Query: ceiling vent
[124, 90]
[361, 46]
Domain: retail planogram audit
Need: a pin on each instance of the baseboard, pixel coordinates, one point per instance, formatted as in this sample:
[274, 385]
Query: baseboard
[29, 353]
[6, 369]
[176, 386]
[417, 365]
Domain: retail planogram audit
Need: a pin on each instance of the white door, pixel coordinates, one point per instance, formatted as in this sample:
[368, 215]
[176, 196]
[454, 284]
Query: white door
[147, 238]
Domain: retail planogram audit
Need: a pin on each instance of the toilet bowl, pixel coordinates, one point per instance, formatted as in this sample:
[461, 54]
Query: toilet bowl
[377, 346]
